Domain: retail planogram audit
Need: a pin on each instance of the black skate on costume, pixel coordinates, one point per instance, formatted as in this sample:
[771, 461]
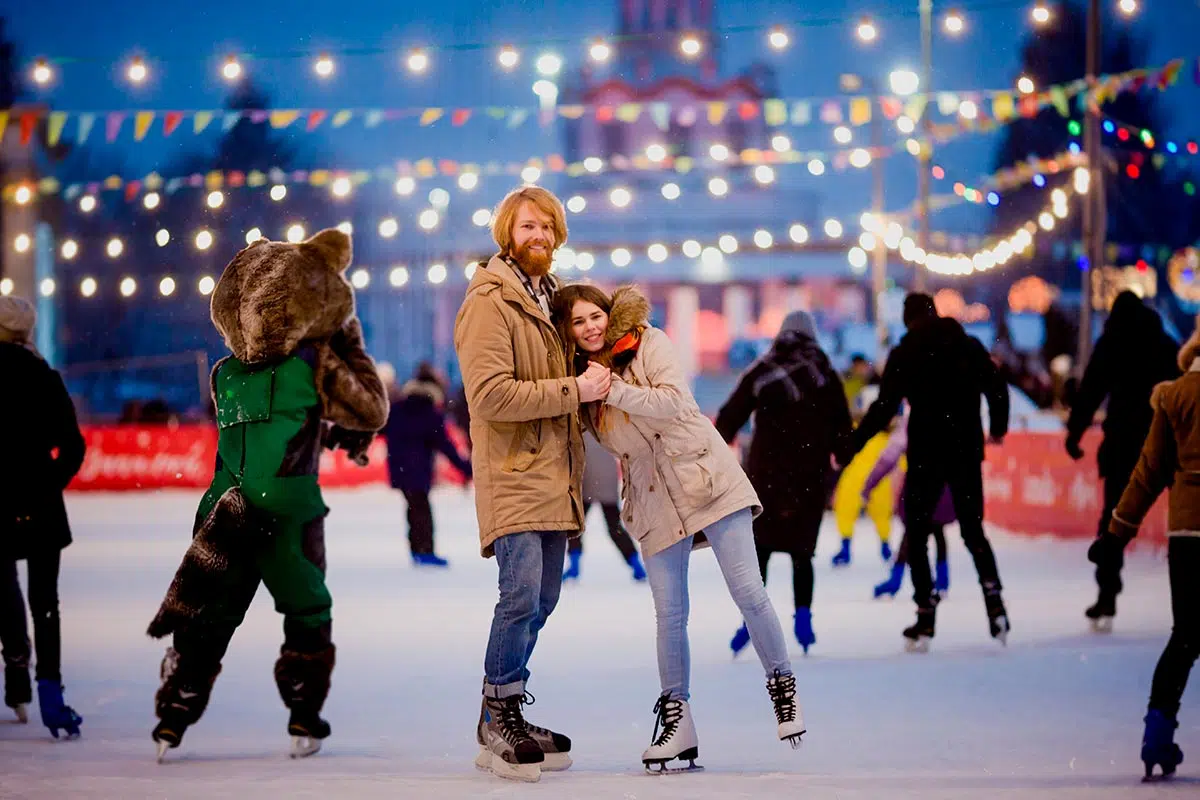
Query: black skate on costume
[303, 681]
[180, 701]
[1100, 614]
[998, 625]
[918, 636]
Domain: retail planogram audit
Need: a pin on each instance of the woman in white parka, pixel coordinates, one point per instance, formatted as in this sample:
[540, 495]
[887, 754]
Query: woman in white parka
[681, 488]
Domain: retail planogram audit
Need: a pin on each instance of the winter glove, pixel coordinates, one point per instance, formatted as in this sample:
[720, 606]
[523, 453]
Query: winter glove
[1073, 448]
[355, 443]
[1109, 548]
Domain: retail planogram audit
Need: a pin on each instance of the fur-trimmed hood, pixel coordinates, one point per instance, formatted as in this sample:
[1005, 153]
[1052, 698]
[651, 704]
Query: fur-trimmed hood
[274, 295]
[630, 311]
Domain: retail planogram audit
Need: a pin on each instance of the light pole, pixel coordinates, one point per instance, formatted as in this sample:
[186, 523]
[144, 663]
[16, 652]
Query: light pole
[925, 155]
[1094, 221]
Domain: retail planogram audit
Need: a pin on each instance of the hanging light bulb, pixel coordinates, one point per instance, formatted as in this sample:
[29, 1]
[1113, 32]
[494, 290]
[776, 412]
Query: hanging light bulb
[137, 71]
[215, 199]
[232, 69]
[206, 285]
[166, 287]
[417, 61]
[341, 187]
[87, 287]
[204, 240]
[508, 57]
[87, 203]
[151, 201]
[42, 72]
[778, 38]
[690, 45]
[1040, 14]
[780, 143]
[953, 22]
[23, 195]
[114, 248]
[620, 197]
[323, 66]
[1025, 85]
[69, 249]
[600, 51]
[295, 233]
[549, 64]
[278, 192]
[867, 32]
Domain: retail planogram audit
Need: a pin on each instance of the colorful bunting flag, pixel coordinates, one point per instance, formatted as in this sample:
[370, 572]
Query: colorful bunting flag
[171, 121]
[113, 125]
[430, 116]
[860, 110]
[201, 120]
[54, 127]
[283, 118]
[141, 124]
[315, 118]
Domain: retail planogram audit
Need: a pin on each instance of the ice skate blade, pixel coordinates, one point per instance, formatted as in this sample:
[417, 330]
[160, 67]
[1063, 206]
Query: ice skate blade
[918, 645]
[557, 762]
[1150, 777]
[304, 746]
[22, 712]
[794, 741]
[660, 768]
[1102, 625]
[491, 762]
[163, 747]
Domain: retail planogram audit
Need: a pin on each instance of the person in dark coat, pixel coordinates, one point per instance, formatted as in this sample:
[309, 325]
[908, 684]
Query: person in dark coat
[415, 431]
[1132, 355]
[601, 485]
[801, 419]
[43, 450]
[942, 373]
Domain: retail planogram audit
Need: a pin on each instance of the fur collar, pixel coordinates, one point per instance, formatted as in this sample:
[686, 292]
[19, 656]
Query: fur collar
[630, 312]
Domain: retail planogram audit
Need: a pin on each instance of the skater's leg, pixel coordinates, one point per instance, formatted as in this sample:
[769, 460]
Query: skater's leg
[1171, 674]
[668, 574]
[732, 541]
[522, 573]
[939, 540]
[43, 606]
[802, 580]
[14, 638]
[617, 532]
[420, 523]
[966, 487]
[847, 497]
[1108, 575]
[554, 547]
[880, 507]
[922, 488]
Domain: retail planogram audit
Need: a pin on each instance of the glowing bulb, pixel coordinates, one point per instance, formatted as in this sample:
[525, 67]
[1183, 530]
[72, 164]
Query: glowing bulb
[204, 240]
[599, 51]
[215, 199]
[1082, 180]
[46, 287]
[232, 69]
[867, 240]
[346, 227]
[206, 285]
[718, 152]
[690, 46]
[1128, 7]
[340, 187]
[621, 257]
[858, 258]
[163, 237]
[913, 147]
[816, 166]
[482, 217]
[620, 197]
[780, 143]
[87, 287]
[866, 30]
[23, 195]
[166, 287]
[763, 239]
[530, 174]
[1061, 211]
[508, 57]
[114, 248]
[405, 185]
[546, 90]
[469, 270]
[657, 252]
[398, 276]
[69, 249]
[585, 261]
[6, 286]
[728, 243]
[718, 187]
[428, 220]
[128, 287]
[278, 192]
[778, 38]
[1040, 14]
[953, 23]
[656, 152]
[711, 257]
[468, 181]
[593, 164]
[22, 243]
[295, 233]
[860, 157]
[904, 82]
[576, 204]
[152, 200]
[253, 235]
[764, 174]
[905, 124]
[323, 66]
[360, 279]
[691, 248]
[968, 109]
[1058, 197]
[439, 198]
[842, 134]
[42, 73]
[671, 191]
[137, 72]
[418, 61]
[87, 203]
[798, 233]
[1046, 220]
[833, 229]
[549, 64]
[1025, 85]
[436, 273]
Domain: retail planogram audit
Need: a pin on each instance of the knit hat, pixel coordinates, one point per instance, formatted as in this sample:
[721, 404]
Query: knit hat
[800, 322]
[17, 318]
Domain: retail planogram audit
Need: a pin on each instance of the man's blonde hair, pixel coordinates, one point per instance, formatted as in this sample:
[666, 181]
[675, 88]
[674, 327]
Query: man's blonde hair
[505, 215]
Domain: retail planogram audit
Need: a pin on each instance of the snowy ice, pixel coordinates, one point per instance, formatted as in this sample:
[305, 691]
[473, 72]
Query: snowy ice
[1055, 714]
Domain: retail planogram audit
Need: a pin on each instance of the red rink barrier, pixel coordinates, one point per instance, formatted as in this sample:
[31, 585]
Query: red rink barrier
[1030, 484]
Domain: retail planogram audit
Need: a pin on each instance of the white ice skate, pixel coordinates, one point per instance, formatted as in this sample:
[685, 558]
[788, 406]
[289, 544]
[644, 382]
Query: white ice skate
[782, 689]
[1102, 624]
[22, 712]
[161, 755]
[304, 746]
[674, 738]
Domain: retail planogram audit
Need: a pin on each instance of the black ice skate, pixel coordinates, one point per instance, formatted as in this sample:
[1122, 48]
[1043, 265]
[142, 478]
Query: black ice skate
[674, 737]
[556, 747]
[998, 624]
[507, 749]
[307, 731]
[782, 689]
[1100, 614]
[18, 691]
[917, 637]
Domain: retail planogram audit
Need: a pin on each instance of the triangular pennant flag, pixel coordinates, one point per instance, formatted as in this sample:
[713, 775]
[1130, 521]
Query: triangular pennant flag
[112, 125]
[315, 118]
[319, 177]
[258, 115]
[716, 112]
[629, 112]
[860, 110]
[1002, 106]
[230, 119]
[447, 166]
[555, 162]
[3, 124]
[256, 178]
[430, 116]
[373, 118]
[516, 116]
[171, 121]
[28, 126]
[831, 113]
[684, 164]
[687, 116]
[281, 119]
[1059, 98]
[341, 118]
[460, 117]
[113, 182]
[200, 121]
[604, 114]
[916, 107]
[425, 168]
[891, 107]
[54, 127]
[660, 115]
[214, 179]
[235, 179]
[495, 112]
[173, 185]
[131, 190]
[153, 182]
[801, 112]
[775, 112]
[86, 121]
[947, 103]
[573, 111]
[141, 124]
[747, 109]
[1028, 107]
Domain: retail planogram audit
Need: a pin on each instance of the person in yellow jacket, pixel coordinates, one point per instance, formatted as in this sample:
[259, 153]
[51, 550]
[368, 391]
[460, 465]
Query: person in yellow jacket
[848, 496]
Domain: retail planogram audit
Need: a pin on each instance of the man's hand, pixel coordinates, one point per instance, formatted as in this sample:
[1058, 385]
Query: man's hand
[1073, 448]
[594, 383]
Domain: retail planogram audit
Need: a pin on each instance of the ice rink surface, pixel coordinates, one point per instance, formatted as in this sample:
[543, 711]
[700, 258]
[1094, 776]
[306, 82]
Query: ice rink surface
[1056, 714]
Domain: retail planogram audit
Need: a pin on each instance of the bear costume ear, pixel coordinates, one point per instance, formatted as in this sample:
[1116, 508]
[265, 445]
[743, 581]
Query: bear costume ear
[333, 247]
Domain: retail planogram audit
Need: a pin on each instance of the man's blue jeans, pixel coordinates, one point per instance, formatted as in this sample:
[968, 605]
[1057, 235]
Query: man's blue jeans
[531, 568]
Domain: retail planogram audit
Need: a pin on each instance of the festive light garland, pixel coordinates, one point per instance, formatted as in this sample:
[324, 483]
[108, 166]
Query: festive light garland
[1032, 170]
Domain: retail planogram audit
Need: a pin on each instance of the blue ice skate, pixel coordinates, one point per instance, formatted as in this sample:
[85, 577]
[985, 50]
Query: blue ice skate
[1158, 745]
[571, 573]
[892, 585]
[740, 639]
[842, 559]
[803, 629]
[635, 563]
[57, 715]
[885, 550]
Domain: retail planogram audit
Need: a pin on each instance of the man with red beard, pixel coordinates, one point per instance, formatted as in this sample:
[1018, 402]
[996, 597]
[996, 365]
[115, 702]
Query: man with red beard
[527, 463]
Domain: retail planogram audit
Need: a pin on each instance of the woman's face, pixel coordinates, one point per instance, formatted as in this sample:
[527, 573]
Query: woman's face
[588, 325]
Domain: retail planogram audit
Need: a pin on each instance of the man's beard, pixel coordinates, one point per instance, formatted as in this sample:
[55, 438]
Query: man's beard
[535, 265]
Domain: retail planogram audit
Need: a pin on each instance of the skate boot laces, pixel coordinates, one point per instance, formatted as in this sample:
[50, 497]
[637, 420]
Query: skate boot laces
[511, 721]
[668, 714]
[782, 689]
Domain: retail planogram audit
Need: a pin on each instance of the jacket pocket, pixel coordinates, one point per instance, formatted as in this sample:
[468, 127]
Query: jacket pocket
[525, 447]
[692, 468]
